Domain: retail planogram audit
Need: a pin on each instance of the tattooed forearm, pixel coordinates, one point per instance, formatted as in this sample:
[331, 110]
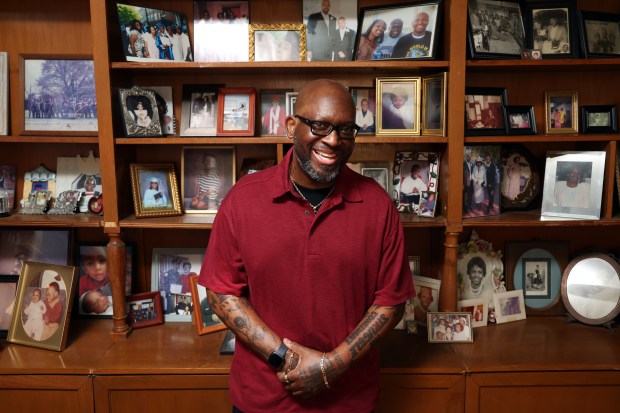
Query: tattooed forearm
[368, 334]
[362, 327]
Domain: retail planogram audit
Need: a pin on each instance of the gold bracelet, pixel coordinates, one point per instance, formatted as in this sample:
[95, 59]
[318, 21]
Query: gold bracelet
[323, 371]
[290, 362]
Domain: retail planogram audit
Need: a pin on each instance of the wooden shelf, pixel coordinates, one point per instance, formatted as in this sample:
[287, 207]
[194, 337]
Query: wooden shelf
[540, 138]
[73, 221]
[187, 221]
[262, 140]
[532, 218]
[50, 139]
[546, 65]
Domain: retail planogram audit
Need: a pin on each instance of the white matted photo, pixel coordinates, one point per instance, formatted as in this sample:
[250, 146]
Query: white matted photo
[509, 306]
[478, 308]
[446, 327]
[218, 20]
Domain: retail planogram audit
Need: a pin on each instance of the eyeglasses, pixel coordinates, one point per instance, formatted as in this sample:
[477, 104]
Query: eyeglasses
[348, 131]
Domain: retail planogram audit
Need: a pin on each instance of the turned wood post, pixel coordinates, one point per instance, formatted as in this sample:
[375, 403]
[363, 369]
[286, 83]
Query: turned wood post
[447, 294]
[117, 258]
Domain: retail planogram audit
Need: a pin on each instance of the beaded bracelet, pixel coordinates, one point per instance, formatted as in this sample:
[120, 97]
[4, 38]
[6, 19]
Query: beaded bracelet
[323, 371]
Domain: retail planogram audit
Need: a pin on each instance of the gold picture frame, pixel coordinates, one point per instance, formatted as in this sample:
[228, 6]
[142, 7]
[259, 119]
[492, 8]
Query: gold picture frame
[39, 322]
[165, 197]
[398, 105]
[274, 47]
[434, 98]
[561, 113]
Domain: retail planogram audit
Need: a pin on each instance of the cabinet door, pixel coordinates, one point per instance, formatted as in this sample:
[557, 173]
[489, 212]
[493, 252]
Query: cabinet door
[421, 393]
[33, 394]
[170, 393]
[544, 392]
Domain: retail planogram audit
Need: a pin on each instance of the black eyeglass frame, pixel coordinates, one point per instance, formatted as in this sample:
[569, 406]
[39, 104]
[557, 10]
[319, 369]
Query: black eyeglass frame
[312, 123]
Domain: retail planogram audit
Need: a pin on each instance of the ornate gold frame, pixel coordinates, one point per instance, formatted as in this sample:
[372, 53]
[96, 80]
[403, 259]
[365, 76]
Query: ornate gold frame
[171, 180]
[301, 28]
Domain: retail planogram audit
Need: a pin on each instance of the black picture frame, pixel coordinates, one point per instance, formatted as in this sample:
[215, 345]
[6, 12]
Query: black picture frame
[508, 34]
[596, 31]
[484, 110]
[559, 42]
[520, 120]
[598, 119]
[366, 49]
[520, 183]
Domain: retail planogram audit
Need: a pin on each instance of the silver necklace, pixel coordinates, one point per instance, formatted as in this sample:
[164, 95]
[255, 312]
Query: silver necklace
[316, 207]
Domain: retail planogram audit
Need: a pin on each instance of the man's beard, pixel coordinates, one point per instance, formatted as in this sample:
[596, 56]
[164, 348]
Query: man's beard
[325, 175]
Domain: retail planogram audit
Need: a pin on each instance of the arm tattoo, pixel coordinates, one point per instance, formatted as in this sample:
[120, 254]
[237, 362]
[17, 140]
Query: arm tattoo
[368, 333]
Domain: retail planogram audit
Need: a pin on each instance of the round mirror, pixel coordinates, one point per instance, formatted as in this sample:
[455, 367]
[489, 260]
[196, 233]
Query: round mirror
[591, 288]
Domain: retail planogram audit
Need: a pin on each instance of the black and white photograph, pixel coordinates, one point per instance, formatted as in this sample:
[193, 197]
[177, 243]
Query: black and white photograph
[551, 28]
[59, 96]
[536, 277]
[600, 34]
[154, 35]
[496, 29]
[330, 29]
[598, 119]
[217, 20]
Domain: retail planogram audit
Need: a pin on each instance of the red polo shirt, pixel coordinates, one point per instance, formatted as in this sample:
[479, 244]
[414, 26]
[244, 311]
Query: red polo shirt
[311, 278]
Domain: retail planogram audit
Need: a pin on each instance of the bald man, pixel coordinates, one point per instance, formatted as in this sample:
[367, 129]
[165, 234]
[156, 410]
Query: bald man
[417, 43]
[297, 268]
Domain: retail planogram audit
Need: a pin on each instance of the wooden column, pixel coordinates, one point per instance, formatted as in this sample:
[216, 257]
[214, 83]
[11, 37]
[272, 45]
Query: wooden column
[117, 263]
[447, 293]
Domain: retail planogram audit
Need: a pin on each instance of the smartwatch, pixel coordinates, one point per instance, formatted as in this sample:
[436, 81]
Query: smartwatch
[276, 359]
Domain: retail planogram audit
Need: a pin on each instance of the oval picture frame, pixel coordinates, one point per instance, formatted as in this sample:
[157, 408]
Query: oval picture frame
[519, 195]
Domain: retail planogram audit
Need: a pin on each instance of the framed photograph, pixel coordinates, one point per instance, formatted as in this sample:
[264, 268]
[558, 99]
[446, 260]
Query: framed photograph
[66, 203]
[199, 110]
[509, 306]
[481, 177]
[399, 31]
[251, 165]
[449, 327]
[551, 28]
[520, 120]
[414, 173]
[365, 108]
[478, 308]
[140, 112]
[434, 98]
[426, 299]
[165, 108]
[236, 111]
[600, 34]
[273, 111]
[8, 175]
[206, 320]
[39, 179]
[171, 271]
[45, 246]
[330, 29]
[291, 100]
[50, 109]
[42, 307]
[277, 42]
[8, 290]
[155, 190]
[154, 35]
[398, 105]
[573, 185]
[79, 173]
[221, 20]
[380, 175]
[228, 345]
[4, 93]
[94, 292]
[561, 112]
[495, 29]
[520, 177]
[598, 119]
[381, 172]
[414, 264]
[207, 174]
[484, 110]
[144, 309]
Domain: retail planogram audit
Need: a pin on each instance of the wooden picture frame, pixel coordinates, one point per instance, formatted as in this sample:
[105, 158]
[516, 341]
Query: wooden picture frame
[199, 110]
[434, 102]
[321, 43]
[138, 316]
[598, 119]
[551, 27]
[478, 308]
[443, 327]
[481, 29]
[561, 113]
[206, 320]
[206, 166]
[8, 290]
[43, 322]
[484, 110]
[236, 111]
[376, 21]
[408, 189]
[365, 100]
[155, 201]
[140, 112]
[171, 271]
[76, 114]
[273, 112]
[277, 42]
[41, 245]
[509, 306]
[555, 254]
[573, 186]
[4, 93]
[520, 120]
[599, 34]
[398, 105]
[212, 21]
[520, 177]
[170, 28]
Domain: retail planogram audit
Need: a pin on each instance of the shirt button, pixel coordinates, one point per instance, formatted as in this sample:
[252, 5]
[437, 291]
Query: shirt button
[307, 212]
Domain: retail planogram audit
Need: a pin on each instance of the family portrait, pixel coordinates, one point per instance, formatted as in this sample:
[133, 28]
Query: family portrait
[481, 178]
[208, 173]
[551, 30]
[496, 27]
[444, 327]
[331, 27]
[221, 20]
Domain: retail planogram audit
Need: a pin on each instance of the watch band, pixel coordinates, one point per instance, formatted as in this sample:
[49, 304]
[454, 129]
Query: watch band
[276, 359]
